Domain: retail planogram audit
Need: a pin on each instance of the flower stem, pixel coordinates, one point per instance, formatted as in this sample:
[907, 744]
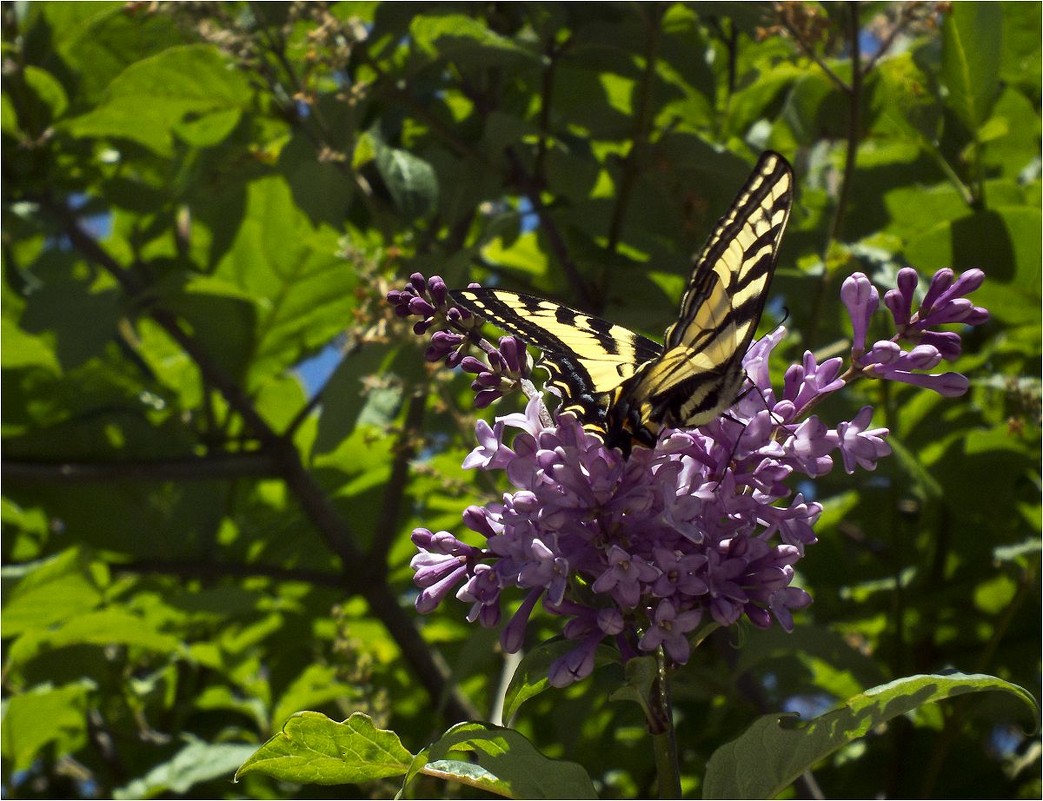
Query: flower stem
[664, 739]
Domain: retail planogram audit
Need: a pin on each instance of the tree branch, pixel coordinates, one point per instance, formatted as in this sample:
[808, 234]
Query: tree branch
[642, 124]
[192, 468]
[359, 574]
[532, 191]
[211, 569]
[809, 50]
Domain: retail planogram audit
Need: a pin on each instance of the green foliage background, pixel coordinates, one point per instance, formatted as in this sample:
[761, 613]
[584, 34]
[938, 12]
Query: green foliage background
[203, 205]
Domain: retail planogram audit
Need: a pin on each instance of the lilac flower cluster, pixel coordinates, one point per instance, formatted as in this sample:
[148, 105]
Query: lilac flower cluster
[703, 528]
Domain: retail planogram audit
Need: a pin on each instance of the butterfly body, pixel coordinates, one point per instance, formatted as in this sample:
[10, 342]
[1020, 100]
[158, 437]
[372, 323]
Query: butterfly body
[625, 387]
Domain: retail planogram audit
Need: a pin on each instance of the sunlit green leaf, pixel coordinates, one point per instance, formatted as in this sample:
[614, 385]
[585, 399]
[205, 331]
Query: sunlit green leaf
[197, 762]
[49, 592]
[509, 764]
[314, 749]
[41, 716]
[782, 748]
[972, 47]
[146, 101]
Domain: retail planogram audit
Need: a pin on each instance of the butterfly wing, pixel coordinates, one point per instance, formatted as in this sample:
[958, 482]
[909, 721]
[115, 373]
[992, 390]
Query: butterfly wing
[587, 357]
[700, 372]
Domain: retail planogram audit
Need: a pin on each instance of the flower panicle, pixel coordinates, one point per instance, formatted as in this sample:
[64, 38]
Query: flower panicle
[703, 528]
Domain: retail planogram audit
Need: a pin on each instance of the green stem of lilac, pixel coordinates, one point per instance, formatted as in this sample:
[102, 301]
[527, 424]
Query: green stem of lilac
[664, 738]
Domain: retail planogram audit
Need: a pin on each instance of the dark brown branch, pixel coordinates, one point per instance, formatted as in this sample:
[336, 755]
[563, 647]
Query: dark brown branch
[642, 124]
[313, 501]
[216, 569]
[194, 468]
[359, 573]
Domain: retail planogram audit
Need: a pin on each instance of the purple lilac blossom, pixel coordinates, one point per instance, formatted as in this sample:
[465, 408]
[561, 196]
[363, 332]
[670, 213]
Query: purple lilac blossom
[702, 528]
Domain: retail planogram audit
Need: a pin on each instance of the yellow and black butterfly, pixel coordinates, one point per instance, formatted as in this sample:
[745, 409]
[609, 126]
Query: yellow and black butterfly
[624, 387]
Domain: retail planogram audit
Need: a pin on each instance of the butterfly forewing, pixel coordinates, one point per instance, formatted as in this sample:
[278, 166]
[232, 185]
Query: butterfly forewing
[700, 371]
[732, 272]
[587, 357]
[624, 386]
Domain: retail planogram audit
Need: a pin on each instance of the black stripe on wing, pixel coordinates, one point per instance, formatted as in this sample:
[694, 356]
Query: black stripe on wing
[586, 357]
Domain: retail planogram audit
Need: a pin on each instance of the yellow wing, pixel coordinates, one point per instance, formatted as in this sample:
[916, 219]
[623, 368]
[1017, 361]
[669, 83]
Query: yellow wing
[699, 374]
[626, 387]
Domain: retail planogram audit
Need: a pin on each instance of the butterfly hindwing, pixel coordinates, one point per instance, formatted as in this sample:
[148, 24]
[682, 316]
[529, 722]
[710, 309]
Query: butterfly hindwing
[624, 386]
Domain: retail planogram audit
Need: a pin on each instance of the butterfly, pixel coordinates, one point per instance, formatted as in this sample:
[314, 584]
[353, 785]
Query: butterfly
[626, 388]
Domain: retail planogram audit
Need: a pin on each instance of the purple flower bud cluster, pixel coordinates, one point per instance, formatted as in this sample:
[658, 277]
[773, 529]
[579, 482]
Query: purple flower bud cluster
[428, 298]
[944, 302]
[456, 330]
[506, 366]
[703, 528]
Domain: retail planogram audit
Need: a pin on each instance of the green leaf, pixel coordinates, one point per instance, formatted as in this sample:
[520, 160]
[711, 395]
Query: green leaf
[41, 716]
[776, 749]
[530, 677]
[1004, 242]
[641, 673]
[197, 762]
[524, 254]
[49, 592]
[281, 282]
[1014, 114]
[1021, 46]
[317, 684]
[22, 349]
[103, 628]
[901, 94]
[48, 91]
[149, 100]
[462, 38]
[410, 180]
[209, 129]
[100, 40]
[509, 764]
[312, 749]
[972, 49]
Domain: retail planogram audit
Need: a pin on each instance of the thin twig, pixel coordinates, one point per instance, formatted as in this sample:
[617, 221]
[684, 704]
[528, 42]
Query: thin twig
[854, 97]
[530, 190]
[809, 51]
[553, 53]
[906, 14]
[854, 122]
